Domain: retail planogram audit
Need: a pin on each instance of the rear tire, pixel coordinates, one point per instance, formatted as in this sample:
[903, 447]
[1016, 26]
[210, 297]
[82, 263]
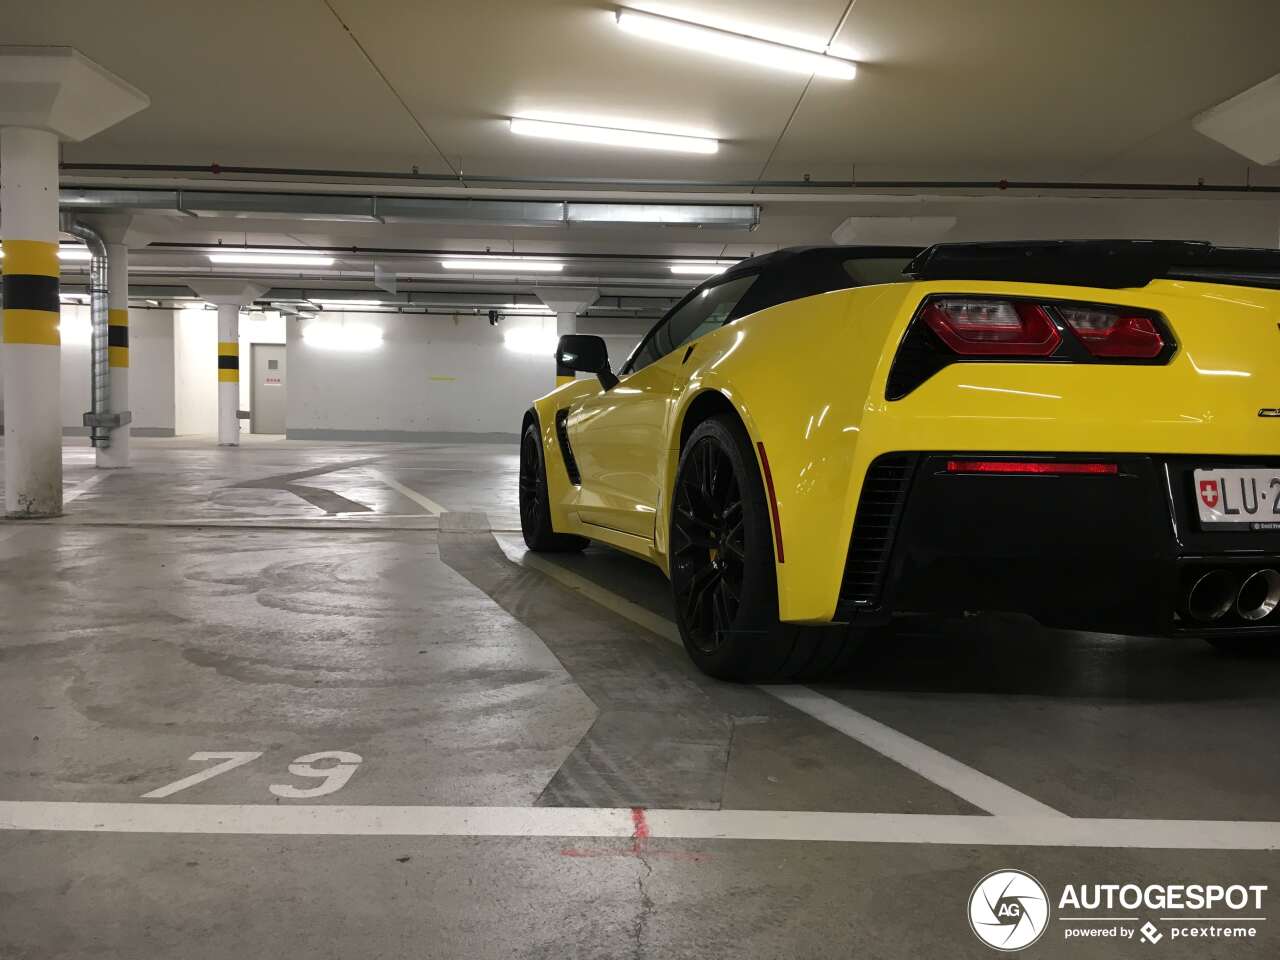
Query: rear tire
[723, 577]
[535, 506]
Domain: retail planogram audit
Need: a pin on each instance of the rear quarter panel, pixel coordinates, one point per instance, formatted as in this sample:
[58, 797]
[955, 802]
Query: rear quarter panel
[799, 376]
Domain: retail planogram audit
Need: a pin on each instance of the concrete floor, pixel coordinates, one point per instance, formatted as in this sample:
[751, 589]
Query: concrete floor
[289, 598]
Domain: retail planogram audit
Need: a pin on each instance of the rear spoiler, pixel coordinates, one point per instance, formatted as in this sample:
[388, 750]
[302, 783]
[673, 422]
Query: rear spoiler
[1098, 263]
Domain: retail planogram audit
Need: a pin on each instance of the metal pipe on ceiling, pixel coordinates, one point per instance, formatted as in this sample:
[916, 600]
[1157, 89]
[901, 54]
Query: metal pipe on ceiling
[356, 250]
[804, 184]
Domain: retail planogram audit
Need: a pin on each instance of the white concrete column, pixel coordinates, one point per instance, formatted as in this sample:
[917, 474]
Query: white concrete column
[117, 454]
[32, 378]
[46, 94]
[228, 296]
[228, 374]
[567, 302]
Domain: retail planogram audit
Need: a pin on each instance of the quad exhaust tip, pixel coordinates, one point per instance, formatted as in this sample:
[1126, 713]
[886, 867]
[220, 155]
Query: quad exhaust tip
[1213, 595]
[1259, 595]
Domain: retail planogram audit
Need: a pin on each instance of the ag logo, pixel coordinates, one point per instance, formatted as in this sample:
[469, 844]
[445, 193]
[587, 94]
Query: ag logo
[1008, 910]
[1209, 493]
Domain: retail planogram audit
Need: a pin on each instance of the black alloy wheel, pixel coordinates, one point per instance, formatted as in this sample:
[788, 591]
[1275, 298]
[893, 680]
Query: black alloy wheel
[723, 578]
[708, 544]
[535, 509]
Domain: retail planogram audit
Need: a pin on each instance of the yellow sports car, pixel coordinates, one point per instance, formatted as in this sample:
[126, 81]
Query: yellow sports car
[820, 438]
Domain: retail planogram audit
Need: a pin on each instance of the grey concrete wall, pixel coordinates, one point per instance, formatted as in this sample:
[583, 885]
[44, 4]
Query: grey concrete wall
[431, 376]
[151, 394]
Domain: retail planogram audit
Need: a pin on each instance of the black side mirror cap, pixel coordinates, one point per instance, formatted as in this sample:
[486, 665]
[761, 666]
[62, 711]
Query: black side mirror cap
[584, 353]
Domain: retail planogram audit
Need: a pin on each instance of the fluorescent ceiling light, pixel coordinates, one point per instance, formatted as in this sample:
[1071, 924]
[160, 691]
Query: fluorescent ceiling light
[531, 340]
[700, 269]
[271, 259]
[508, 265]
[735, 46]
[352, 337]
[352, 303]
[612, 136]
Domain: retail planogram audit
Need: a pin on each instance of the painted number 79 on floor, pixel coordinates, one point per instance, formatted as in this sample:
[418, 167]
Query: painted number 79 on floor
[339, 766]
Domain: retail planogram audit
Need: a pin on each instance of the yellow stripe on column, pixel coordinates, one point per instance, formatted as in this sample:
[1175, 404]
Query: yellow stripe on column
[228, 370]
[561, 381]
[31, 257]
[118, 356]
[31, 326]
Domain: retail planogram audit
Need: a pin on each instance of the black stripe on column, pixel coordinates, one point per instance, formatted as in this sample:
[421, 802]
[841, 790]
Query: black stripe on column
[117, 335]
[228, 363]
[27, 291]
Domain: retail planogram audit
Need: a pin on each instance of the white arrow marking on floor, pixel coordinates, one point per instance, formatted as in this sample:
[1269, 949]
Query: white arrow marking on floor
[579, 822]
[426, 503]
[964, 781]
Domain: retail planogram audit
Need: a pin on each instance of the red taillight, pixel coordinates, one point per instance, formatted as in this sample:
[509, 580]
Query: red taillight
[993, 328]
[1030, 466]
[1110, 333]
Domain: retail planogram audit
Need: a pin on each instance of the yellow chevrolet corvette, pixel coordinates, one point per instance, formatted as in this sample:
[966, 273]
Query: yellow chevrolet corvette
[821, 438]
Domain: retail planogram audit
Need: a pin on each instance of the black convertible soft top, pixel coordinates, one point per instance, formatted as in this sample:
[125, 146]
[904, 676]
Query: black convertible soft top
[795, 272]
[1098, 263]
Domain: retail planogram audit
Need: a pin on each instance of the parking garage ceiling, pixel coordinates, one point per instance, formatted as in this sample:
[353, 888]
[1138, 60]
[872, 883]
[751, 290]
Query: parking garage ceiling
[393, 85]
[426, 90]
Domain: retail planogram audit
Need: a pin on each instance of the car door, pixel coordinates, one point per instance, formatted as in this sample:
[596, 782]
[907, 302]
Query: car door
[619, 436]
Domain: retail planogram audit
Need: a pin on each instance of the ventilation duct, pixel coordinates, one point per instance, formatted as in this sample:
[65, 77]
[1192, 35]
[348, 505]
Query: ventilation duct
[462, 210]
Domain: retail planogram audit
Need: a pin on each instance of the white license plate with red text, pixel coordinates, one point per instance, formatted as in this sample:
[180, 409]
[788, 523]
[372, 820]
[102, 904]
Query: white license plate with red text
[1238, 499]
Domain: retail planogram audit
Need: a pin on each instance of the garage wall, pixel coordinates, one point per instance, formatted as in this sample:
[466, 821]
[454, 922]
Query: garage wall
[433, 377]
[264, 326]
[151, 381]
[195, 351]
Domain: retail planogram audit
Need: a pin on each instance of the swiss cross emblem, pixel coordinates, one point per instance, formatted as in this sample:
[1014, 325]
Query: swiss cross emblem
[1209, 493]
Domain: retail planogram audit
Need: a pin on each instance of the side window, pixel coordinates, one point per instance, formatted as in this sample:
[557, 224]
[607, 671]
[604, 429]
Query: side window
[705, 312]
[648, 351]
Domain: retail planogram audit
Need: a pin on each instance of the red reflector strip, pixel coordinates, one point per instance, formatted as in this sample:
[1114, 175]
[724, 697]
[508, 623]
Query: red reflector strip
[773, 501]
[1030, 466]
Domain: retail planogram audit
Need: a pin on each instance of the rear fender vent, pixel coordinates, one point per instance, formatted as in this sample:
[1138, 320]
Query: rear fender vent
[874, 527]
[566, 451]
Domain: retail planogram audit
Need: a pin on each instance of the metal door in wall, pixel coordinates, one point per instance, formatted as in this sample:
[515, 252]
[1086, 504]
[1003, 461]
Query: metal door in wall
[267, 393]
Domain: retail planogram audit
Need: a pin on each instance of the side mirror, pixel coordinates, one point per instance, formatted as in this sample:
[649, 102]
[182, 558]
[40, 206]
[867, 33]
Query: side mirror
[582, 353]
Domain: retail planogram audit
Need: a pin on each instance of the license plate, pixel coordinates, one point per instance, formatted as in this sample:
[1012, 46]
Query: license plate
[1238, 499]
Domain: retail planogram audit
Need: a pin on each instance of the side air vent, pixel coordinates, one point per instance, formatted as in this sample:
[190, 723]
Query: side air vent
[874, 528]
[566, 451]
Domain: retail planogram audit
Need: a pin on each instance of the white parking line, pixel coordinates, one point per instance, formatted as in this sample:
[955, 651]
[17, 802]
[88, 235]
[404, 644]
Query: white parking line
[579, 822]
[83, 487]
[974, 786]
[982, 791]
[426, 503]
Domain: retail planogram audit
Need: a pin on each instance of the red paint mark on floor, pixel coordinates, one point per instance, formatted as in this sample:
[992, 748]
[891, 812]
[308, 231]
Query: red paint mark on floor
[641, 833]
[638, 847]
